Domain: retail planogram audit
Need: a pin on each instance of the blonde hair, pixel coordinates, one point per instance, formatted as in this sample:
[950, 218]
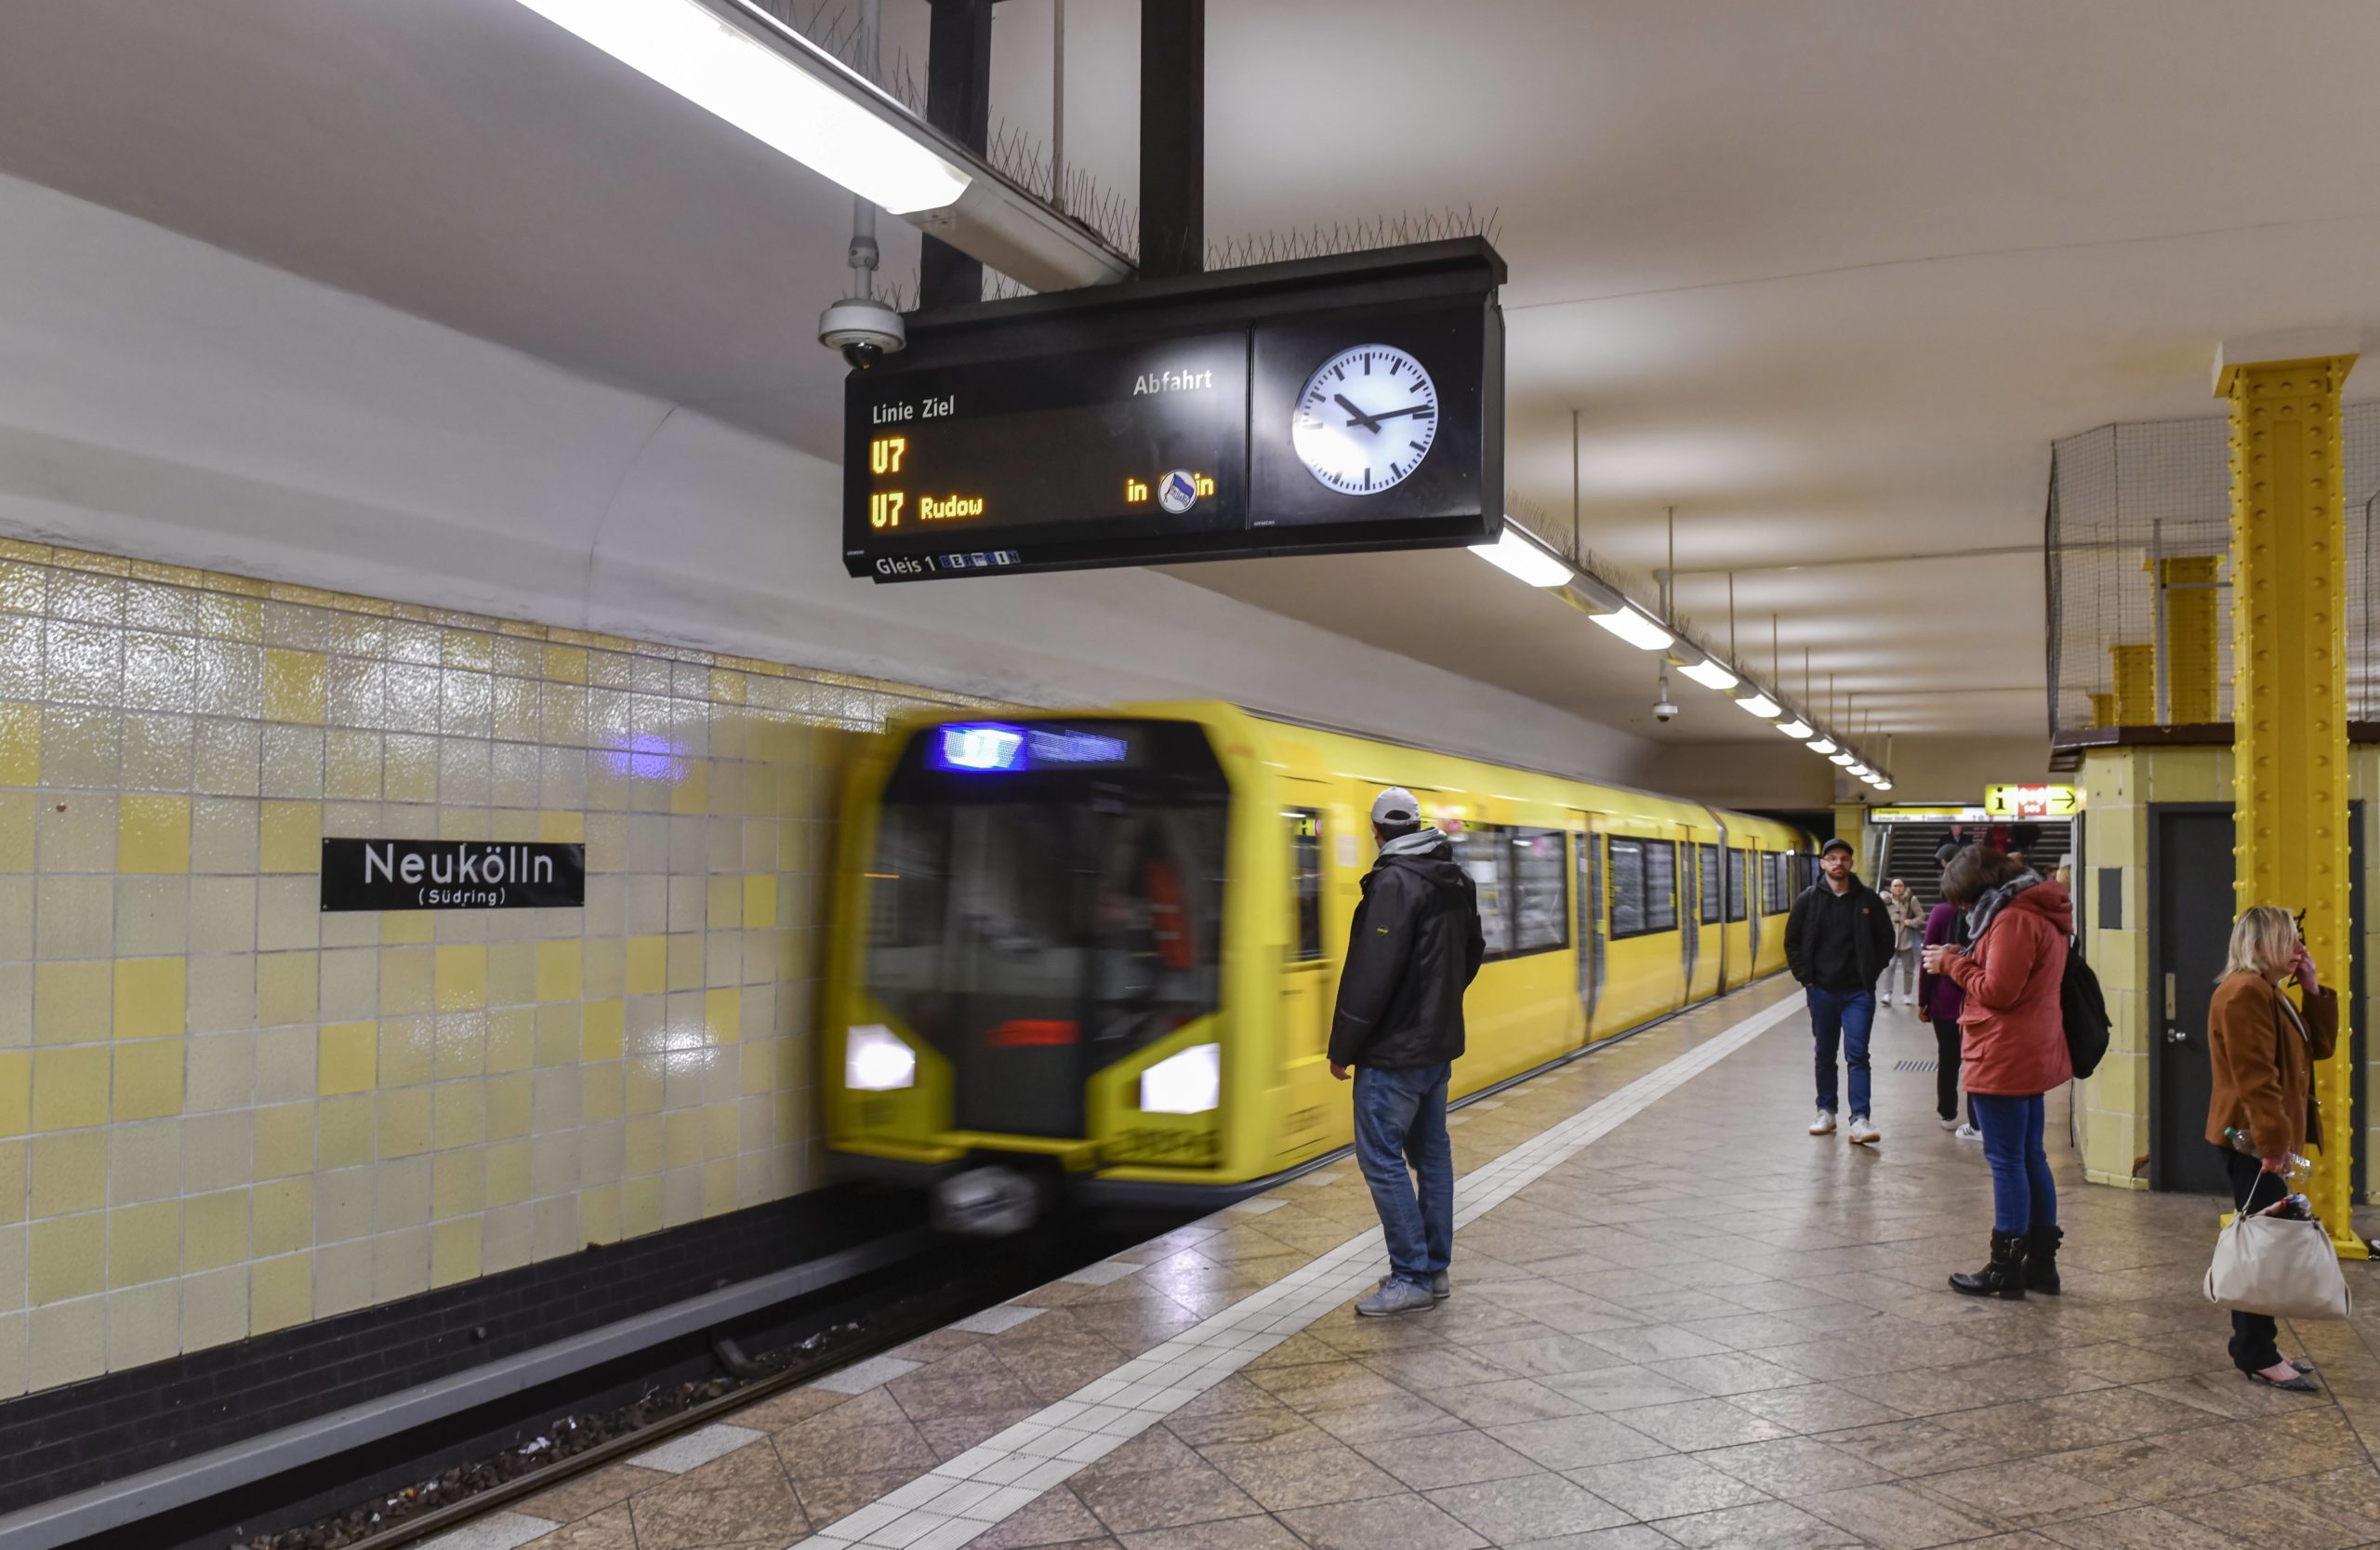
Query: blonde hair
[2263, 939]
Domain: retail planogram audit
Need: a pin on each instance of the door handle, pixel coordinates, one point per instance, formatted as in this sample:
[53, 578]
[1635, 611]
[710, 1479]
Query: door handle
[2178, 1036]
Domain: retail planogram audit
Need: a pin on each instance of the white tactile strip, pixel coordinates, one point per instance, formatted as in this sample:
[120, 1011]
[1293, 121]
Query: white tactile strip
[996, 1320]
[861, 1376]
[502, 1530]
[964, 1497]
[1102, 1273]
[697, 1448]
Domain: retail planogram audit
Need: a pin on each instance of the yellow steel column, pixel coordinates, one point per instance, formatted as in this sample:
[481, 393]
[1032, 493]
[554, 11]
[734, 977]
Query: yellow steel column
[1851, 825]
[2289, 695]
[2191, 655]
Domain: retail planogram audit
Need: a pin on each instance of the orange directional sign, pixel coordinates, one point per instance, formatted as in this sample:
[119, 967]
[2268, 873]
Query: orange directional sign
[2032, 802]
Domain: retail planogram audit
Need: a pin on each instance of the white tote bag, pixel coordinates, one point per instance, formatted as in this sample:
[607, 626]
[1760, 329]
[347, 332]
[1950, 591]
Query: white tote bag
[2269, 1264]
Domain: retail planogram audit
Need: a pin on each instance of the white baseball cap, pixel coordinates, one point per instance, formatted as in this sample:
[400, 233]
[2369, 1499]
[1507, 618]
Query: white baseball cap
[1396, 806]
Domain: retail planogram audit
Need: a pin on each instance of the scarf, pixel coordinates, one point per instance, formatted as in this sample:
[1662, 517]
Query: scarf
[1408, 844]
[1992, 903]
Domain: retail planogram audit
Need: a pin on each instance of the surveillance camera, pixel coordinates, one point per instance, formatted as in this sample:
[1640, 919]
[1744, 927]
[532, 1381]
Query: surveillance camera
[865, 329]
[1663, 710]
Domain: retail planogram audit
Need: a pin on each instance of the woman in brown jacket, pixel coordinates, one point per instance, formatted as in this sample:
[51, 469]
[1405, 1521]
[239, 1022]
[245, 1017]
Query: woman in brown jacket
[2263, 1050]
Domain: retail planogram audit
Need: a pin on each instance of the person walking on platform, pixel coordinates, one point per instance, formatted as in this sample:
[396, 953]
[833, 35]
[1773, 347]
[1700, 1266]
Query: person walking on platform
[1838, 940]
[1412, 949]
[2262, 1048]
[1909, 925]
[2013, 1052]
[1939, 1001]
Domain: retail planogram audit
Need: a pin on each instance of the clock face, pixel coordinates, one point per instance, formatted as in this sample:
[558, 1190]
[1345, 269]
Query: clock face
[1365, 419]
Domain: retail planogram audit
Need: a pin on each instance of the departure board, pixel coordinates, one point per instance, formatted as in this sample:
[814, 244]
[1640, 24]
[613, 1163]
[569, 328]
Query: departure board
[1321, 407]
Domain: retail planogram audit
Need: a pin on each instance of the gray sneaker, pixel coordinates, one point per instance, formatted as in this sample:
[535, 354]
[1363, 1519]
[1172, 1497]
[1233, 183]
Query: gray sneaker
[1396, 1295]
[1440, 1287]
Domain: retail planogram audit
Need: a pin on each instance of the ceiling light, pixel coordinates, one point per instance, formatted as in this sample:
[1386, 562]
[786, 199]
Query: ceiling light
[1873, 778]
[1636, 626]
[1760, 705]
[1883, 785]
[1855, 768]
[1843, 757]
[1516, 554]
[1711, 673]
[1824, 745]
[1794, 728]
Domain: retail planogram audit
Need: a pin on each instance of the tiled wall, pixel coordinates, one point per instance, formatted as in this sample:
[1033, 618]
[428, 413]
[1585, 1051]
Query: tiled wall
[223, 1112]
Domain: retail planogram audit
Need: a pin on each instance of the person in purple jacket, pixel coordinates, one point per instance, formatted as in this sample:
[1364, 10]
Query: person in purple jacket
[1939, 1000]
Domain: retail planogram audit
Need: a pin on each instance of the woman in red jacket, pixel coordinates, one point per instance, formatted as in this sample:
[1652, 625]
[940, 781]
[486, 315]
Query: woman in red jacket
[2013, 1051]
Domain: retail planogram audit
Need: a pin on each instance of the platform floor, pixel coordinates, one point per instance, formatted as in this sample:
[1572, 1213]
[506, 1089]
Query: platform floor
[1678, 1321]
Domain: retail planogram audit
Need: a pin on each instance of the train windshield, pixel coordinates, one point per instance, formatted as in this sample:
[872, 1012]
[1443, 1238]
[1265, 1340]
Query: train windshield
[1035, 923]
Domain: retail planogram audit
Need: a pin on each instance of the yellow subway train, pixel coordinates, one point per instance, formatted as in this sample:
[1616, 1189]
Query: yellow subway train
[1090, 957]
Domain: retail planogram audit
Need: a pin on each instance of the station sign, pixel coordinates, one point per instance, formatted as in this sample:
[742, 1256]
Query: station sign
[2032, 802]
[452, 874]
[1326, 405]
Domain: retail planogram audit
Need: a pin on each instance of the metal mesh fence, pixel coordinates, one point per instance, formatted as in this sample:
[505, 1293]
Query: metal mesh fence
[2138, 572]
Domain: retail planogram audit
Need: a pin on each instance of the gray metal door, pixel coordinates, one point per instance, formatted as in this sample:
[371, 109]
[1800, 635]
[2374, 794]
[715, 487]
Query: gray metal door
[2190, 929]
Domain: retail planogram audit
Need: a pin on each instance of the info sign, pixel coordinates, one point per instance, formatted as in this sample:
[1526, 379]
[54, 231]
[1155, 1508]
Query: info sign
[1325, 405]
[2032, 802]
[452, 874]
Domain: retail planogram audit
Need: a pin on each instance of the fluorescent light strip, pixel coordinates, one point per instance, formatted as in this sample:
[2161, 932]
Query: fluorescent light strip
[1710, 673]
[1760, 705]
[1843, 757]
[811, 109]
[1794, 728]
[1824, 745]
[1523, 557]
[1637, 627]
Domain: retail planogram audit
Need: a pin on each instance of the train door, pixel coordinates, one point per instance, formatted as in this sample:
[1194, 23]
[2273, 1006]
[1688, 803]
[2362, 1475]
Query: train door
[1689, 924]
[1589, 937]
[1309, 976]
[1756, 865]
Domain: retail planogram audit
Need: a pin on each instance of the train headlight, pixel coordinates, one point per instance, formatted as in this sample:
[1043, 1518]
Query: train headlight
[876, 1061]
[1190, 1082]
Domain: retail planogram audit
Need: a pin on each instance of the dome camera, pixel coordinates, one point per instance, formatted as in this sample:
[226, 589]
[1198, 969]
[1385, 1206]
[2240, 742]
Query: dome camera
[1663, 709]
[865, 329]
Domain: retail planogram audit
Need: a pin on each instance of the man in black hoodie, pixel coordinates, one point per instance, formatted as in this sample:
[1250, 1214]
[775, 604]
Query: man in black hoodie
[1412, 949]
[1837, 941]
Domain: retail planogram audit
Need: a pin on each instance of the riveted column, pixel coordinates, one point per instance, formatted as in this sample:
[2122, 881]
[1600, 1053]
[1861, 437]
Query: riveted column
[2289, 692]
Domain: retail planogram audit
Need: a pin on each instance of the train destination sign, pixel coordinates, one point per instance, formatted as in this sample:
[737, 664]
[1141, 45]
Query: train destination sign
[1319, 406]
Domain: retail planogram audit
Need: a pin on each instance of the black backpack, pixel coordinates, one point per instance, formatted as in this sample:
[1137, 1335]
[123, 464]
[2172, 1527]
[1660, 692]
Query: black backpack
[2084, 1011]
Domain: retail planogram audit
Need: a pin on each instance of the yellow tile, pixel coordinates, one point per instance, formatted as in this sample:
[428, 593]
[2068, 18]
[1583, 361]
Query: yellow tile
[511, 974]
[562, 828]
[17, 830]
[148, 1079]
[690, 795]
[284, 1141]
[561, 1031]
[641, 1153]
[291, 837]
[70, 1173]
[723, 1016]
[686, 962]
[68, 1258]
[70, 1088]
[681, 1138]
[718, 1186]
[602, 1094]
[408, 981]
[153, 834]
[508, 1105]
[760, 901]
[281, 1293]
[144, 1243]
[646, 1085]
[602, 1031]
[648, 965]
[565, 664]
[508, 1172]
[66, 1343]
[557, 970]
[458, 1113]
[20, 745]
[458, 1183]
[725, 908]
[462, 977]
[404, 1122]
[283, 1217]
[641, 1206]
[407, 927]
[454, 1251]
[461, 1045]
[599, 1215]
[16, 1091]
[70, 1002]
[215, 1230]
[152, 998]
[346, 1057]
[511, 1039]
[346, 1130]
[293, 686]
[215, 1308]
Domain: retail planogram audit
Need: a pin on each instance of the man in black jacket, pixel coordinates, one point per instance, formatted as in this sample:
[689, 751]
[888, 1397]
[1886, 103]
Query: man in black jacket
[1837, 941]
[1412, 949]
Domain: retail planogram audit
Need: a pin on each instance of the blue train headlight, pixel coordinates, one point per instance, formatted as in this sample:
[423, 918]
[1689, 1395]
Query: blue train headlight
[876, 1061]
[1190, 1082]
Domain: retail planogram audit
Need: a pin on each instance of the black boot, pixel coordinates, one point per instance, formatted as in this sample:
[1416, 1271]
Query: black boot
[2005, 1277]
[2040, 1260]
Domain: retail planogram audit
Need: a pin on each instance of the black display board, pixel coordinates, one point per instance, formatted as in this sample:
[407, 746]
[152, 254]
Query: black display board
[452, 874]
[1320, 406]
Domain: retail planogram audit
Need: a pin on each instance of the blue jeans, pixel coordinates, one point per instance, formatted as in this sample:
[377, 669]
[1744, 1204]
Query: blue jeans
[1401, 1117]
[2023, 1194]
[1842, 1017]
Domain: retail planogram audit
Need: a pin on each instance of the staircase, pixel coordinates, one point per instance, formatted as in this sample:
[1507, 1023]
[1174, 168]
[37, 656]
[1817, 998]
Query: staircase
[1909, 854]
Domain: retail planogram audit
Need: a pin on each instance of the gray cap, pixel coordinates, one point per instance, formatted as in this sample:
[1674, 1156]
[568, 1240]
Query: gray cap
[1396, 806]
[1942, 856]
[1837, 843]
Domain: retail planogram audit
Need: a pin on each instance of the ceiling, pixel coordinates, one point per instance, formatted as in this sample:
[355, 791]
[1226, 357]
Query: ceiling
[1825, 276]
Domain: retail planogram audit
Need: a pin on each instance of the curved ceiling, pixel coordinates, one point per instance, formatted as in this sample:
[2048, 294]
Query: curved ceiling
[1825, 276]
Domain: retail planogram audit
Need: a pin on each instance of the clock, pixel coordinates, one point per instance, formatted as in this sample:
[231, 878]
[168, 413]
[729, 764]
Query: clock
[1365, 419]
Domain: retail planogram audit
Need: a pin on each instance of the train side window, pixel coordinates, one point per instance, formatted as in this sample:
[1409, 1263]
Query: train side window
[1627, 860]
[1481, 850]
[1735, 883]
[1773, 882]
[1660, 885]
[1541, 890]
[1708, 891]
[1305, 875]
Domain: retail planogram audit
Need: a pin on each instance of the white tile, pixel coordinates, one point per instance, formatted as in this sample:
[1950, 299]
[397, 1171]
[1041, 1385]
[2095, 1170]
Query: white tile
[1048, 1472]
[1106, 1270]
[952, 1535]
[861, 1523]
[1258, 1206]
[994, 1320]
[1316, 1181]
[498, 1532]
[696, 1448]
[1485, 1103]
[861, 1376]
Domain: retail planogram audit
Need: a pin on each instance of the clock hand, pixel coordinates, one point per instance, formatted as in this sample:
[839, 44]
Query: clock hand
[1361, 419]
[1392, 413]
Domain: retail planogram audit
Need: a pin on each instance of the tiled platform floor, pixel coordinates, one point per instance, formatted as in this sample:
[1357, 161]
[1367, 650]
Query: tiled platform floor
[1705, 1329]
